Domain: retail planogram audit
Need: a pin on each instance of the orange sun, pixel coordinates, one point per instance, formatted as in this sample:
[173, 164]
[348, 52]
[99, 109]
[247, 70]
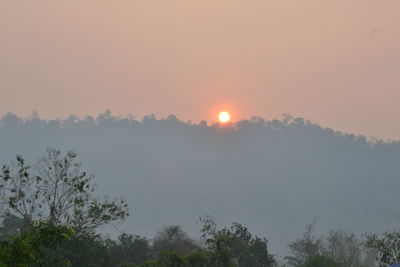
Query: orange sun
[224, 117]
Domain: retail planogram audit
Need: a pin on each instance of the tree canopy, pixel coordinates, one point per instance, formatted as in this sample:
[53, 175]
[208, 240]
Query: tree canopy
[57, 191]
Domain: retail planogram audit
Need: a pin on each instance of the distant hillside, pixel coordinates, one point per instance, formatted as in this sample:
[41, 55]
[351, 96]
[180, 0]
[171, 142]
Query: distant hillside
[274, 176]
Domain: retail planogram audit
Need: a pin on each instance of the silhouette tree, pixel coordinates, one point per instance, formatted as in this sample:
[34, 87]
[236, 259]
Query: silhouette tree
[305, 248]
[235, 246]
[174, 239]
[58, 192]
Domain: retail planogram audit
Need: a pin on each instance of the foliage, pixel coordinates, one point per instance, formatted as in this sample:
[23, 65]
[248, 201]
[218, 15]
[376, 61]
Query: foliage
[347, 250]
[305, 248]
[320, 260]
[10, 226]
[387, 247]
[235, 245]
[36, 247]
[87, 249]
[200, 258]
[58, 192]
[173, 238]
[132, 249]
[338, 248]
[172, 259]
[40, 201]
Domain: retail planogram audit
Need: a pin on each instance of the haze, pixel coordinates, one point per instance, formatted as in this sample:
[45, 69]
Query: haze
[274, 176]
[334, 62]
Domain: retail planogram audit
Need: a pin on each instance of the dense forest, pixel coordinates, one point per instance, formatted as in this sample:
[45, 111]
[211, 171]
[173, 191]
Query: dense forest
[51, 217]
[248, 188]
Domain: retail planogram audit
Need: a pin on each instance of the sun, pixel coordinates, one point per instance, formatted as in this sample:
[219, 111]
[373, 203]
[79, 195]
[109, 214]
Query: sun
[224, 117]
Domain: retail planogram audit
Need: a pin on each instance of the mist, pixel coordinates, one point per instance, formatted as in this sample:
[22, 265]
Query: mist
[274, 176]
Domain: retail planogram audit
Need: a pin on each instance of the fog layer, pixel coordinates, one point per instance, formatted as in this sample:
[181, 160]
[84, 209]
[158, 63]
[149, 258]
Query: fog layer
[274, 176]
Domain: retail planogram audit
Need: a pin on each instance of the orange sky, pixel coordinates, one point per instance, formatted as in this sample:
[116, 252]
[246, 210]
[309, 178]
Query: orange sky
[335, 62]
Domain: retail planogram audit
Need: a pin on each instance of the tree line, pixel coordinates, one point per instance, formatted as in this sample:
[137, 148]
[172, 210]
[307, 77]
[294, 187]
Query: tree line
[51, 216]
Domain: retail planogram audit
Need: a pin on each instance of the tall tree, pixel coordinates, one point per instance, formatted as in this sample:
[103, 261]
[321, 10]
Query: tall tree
[174, 239]
[305, 248]
[235, 245]
[347, 250]
[58, 192]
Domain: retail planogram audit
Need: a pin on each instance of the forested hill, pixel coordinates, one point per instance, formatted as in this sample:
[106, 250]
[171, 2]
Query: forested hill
[274, 176]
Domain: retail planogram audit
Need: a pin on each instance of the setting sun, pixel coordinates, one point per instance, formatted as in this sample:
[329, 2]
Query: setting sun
[224, 116]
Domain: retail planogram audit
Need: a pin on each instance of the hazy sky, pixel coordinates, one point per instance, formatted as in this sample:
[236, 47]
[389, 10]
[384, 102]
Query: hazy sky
[335, 62]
